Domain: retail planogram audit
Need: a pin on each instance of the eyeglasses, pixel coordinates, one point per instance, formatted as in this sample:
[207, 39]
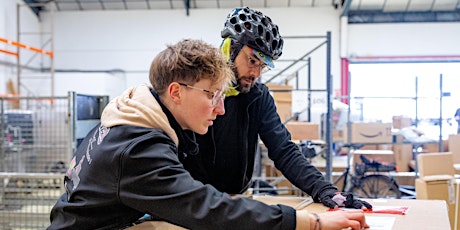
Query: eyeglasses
[256, 64]
[215, 96]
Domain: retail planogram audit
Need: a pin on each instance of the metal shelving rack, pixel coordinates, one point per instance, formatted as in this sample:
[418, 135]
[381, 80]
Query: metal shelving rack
[416, 98]
[329, 89]
[45, 49]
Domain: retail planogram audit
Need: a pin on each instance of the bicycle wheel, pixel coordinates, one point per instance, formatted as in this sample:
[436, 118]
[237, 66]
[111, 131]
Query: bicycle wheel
[376, 186]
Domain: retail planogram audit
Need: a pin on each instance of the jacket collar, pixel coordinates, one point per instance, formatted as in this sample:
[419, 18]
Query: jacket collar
[187, 140]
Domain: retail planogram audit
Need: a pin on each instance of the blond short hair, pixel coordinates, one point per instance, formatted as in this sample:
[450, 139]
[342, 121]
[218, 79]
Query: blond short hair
[189, 61]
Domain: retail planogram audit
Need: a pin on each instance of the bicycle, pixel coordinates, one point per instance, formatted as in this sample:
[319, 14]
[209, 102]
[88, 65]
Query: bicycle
[374, 185]
[367, 180]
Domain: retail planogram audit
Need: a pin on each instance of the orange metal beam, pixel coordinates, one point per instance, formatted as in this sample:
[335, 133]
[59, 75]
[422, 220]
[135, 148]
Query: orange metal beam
[24, 46]
[9, 52]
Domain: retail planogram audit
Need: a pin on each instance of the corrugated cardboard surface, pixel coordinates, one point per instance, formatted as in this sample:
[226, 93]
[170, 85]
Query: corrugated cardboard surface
[442, 189]
[403, 155]
[435, 182]
[369, 133]
[400, 122]
[303, 130]
[283, 109]
[284, 94]
[435, 164]
[454, 147]
[422, 214]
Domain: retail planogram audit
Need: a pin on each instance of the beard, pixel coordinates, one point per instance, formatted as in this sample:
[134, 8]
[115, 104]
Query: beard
[244, 83]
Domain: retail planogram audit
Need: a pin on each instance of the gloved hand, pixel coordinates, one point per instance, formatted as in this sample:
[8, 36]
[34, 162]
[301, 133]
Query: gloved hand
[343, 199]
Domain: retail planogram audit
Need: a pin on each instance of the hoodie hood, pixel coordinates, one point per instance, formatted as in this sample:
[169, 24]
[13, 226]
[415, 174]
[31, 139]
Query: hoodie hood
[137, 106]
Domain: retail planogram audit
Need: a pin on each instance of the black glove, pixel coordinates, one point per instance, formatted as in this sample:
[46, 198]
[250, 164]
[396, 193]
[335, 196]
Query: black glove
[343, 199]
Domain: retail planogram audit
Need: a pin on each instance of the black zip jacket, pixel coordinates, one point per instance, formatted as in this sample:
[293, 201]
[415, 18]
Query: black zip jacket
[121, 172]
[227, 152]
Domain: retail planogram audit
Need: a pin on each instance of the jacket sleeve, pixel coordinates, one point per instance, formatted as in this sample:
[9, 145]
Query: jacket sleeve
[153, 181]
[286, 154]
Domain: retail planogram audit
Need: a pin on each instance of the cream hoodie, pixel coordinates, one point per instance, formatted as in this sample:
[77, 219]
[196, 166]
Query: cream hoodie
[136, 106]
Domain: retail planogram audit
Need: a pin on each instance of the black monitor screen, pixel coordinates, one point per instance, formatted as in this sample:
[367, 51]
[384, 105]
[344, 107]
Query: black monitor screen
[88, 107]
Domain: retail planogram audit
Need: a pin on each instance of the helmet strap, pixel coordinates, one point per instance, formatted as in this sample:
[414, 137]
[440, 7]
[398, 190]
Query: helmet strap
[231, 48]
[235, 49]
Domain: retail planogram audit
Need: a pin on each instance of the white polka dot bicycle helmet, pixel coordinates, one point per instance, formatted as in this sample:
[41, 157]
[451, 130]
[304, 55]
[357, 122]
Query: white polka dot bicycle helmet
[254, 29]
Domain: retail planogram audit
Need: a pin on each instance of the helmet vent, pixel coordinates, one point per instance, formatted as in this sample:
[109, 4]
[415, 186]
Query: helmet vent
[274, 44]
[264, 21]
[238, 28]
[268, 37]
[259, 42]
[233, 20]
[260, 30]
[247, 25]
[275, 32]
[243, 17]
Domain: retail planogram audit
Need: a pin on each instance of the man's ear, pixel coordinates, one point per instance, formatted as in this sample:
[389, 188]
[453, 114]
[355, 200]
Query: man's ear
[174, 92]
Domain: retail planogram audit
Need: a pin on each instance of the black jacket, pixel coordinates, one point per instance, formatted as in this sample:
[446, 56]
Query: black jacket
[227, 152]
[121, 172]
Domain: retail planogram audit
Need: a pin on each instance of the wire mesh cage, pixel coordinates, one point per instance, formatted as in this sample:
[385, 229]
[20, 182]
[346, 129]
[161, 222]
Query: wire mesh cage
[34, 148]
[37, 138]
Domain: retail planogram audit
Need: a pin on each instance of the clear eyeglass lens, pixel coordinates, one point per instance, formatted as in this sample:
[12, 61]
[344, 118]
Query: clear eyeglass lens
[252, 63]
[214, 96]
[218, 95]
[265, 69]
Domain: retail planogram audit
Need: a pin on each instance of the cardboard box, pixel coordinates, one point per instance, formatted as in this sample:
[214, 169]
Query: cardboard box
[441, 188]
[369, 147]
[400, 122]
[283, 100]
[421, 215]
[435, 164]
[398, 138]
[283, 95]
[385, 146]
[403, 155]
[454, 147]
[431, 148]
[337, 135]
[303, 130]
[382, 156]
[283, 109]
[404, 178]
[282, 185]
[369, 133]
[436, 181]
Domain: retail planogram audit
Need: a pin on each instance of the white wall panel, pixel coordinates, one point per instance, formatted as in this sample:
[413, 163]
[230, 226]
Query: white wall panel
[129, 40]
[403, 39]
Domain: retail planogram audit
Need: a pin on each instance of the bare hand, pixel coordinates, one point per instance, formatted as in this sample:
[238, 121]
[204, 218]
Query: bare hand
[333, 220]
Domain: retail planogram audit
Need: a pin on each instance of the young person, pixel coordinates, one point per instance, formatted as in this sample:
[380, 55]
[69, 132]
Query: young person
[130, 164]
[252, 41]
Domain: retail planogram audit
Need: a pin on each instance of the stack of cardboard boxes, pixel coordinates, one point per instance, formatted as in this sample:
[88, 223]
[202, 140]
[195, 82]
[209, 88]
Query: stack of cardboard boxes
[436, 182]
[453, 144]
[282, 94]
[400, 122]
[301, 130]
[368, 132]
